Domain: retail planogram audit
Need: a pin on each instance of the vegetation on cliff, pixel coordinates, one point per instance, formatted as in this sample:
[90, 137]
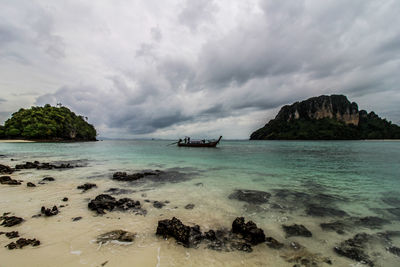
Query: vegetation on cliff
[48, 123]
[326, 118]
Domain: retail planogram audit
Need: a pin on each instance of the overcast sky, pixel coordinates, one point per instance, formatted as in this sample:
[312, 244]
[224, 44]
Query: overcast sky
[165, 69]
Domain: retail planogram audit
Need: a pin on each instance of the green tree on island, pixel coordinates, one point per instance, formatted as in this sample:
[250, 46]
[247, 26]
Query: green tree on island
[48, 123]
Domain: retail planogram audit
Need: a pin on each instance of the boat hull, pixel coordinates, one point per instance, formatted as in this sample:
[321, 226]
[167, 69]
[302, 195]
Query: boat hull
[210, 144]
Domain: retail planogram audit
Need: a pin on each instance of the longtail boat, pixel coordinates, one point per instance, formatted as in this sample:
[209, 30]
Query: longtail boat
[199, 143]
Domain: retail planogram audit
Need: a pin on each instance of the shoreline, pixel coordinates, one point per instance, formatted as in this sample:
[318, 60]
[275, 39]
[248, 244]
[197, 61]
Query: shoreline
[16, 141]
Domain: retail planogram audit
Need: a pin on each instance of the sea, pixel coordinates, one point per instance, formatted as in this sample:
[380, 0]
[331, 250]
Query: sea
[309, 183]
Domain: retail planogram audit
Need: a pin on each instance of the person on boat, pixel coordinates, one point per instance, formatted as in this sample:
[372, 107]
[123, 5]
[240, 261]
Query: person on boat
[179, 141]
[188, 140]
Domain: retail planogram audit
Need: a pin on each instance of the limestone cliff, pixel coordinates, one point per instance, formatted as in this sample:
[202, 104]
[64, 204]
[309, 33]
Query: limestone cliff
[326, 117]
[333, 107]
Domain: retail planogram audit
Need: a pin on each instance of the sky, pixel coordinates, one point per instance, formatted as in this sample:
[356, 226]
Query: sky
[203, 68]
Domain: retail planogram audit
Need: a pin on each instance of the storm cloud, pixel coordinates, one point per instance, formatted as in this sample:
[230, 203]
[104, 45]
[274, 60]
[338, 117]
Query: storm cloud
[203, 68]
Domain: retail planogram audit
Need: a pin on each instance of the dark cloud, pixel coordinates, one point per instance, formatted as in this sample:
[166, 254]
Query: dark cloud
[7, 35]
[198, 65]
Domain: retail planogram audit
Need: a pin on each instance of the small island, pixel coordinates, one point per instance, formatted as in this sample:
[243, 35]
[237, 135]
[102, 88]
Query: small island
[326, 118]
[47, 123]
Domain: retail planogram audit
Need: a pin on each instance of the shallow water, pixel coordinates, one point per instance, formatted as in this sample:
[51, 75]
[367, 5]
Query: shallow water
[357, 177]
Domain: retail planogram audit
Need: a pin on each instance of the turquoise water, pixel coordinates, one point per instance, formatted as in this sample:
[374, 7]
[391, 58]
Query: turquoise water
[365, 167]
[353, 176]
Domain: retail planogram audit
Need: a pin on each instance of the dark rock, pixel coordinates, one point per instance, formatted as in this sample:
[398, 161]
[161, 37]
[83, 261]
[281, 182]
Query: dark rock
[189, 206]
[371, 222]
[241, 237]
[198, 184]
[13, 234]
[241, 246]
[273, 243]
[249, 231]
[65, 199]
[250, 196]
[106, 202]
[296, 230]
[85, 187]
[353, 248]
[387, 235]
[116, 235]
[392, 201]
[119, 191]
[102, 202]
[123, 176]
[395, 211]
[49, 212]
[210, 235]
[6, 169]
[8, 180]
[22, 242]
[336, 226]
[147, 200]
[76, 218]
[158, 204]
[320, 211]
[42, 166]
[4, 179]
[48, 179]
[9, 221]
[394, 250]
[29, 184]
[292, 196]
[186, 235]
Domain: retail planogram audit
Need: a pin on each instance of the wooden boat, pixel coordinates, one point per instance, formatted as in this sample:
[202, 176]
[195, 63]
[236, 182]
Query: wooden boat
[200, 143]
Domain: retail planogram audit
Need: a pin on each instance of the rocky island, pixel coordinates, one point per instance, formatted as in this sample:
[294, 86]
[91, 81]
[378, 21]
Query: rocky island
[47, 123]
[324, 117]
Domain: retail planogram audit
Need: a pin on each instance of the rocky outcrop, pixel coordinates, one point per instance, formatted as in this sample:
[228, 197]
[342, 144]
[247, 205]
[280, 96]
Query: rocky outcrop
[296, 230]
[8, 180]
[353, 248]
[334, 106]
[241, 237]
[123, 176]
[85, 187]
[6, 169]
[23, 242]
[42, 166]
[9, 221]
[326, 117]
[188, 236]
[49, 212]
[106, 202]
[250, 196]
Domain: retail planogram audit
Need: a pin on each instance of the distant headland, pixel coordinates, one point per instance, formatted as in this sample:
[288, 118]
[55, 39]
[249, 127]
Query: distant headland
[326, 118]
[47, 123]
